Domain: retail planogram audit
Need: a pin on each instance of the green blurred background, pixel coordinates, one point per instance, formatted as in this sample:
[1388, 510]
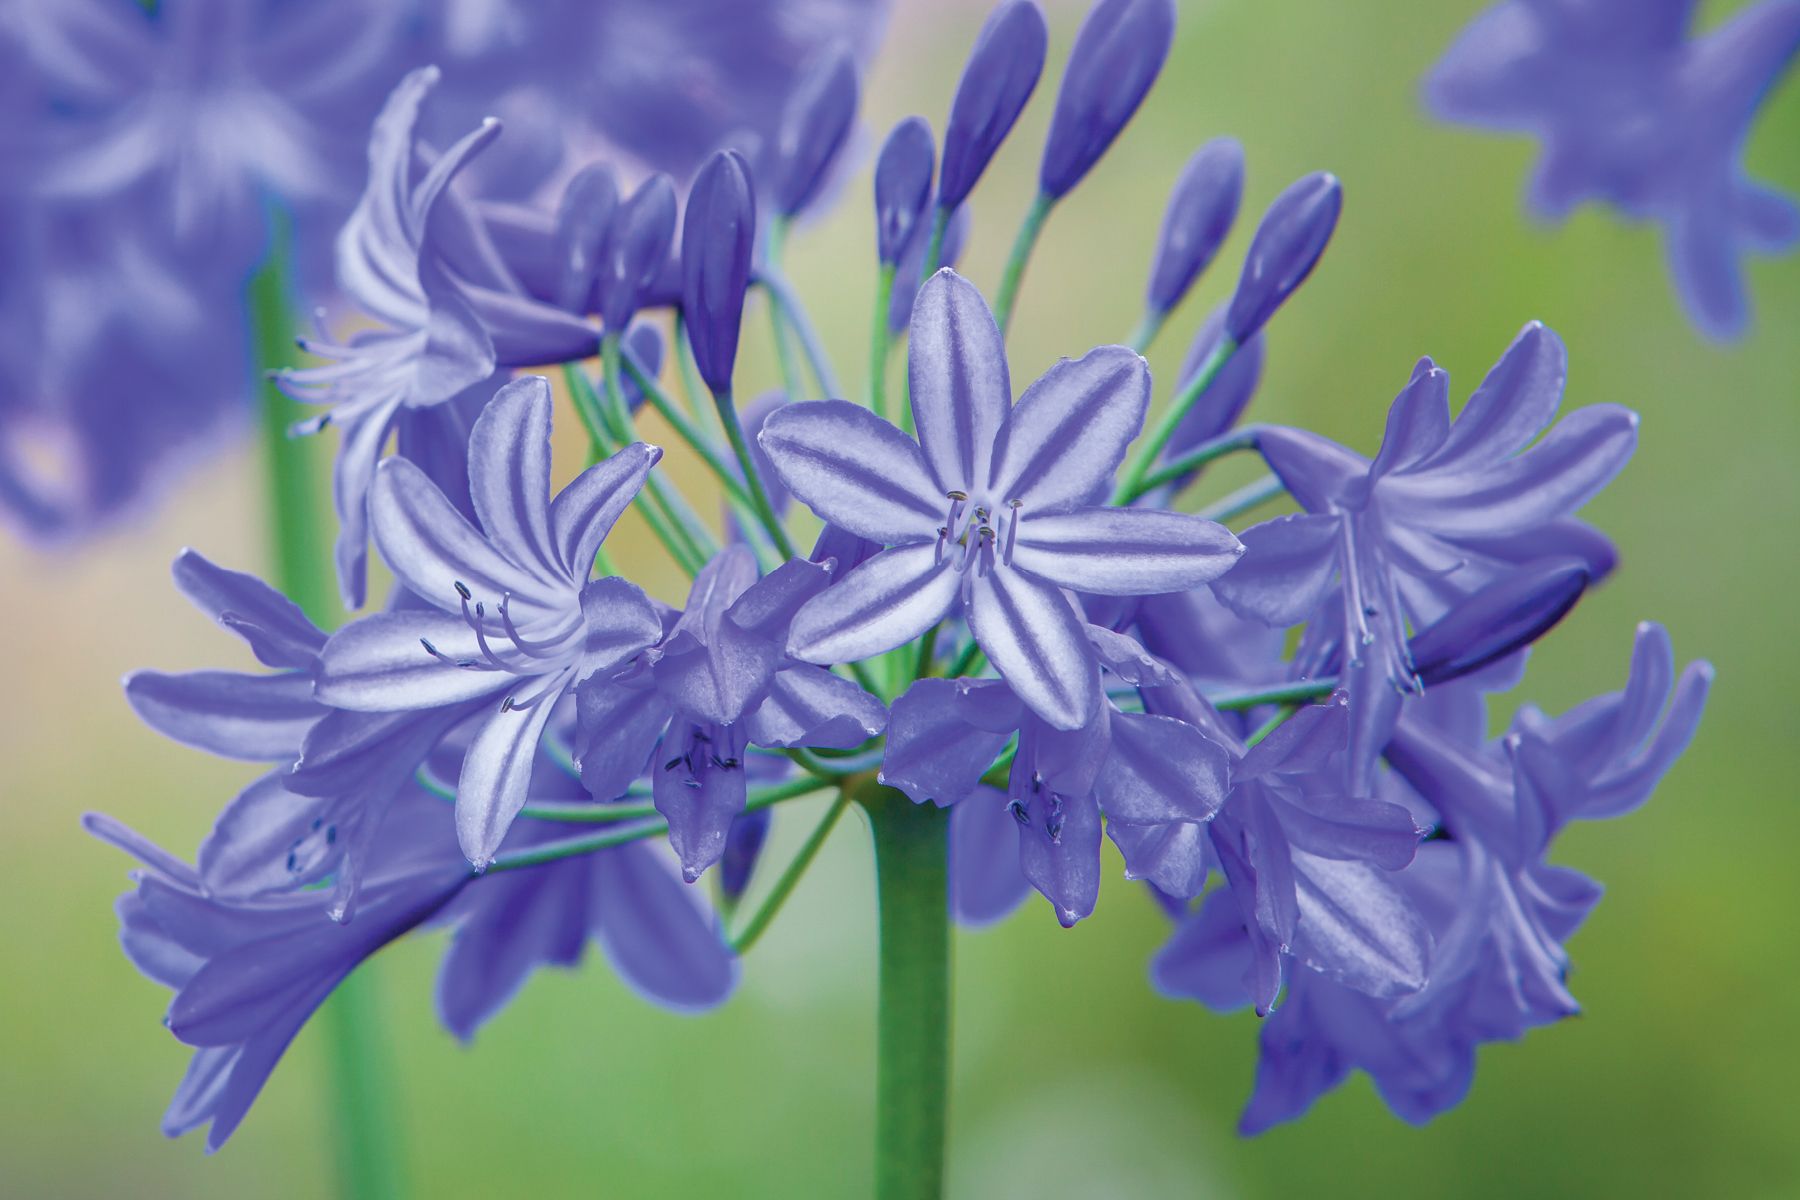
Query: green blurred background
[1071, 1077]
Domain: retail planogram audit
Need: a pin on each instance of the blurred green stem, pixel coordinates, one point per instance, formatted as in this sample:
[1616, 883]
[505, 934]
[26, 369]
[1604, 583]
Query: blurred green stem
[784, 887]
[879, 341]
[362, 1108]
[913, 1037]
[1131, 483]
[1029, 229]
[1148, 326]
[773, 245]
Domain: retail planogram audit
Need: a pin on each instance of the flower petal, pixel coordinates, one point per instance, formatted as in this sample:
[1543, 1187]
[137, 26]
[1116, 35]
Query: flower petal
[1068, 433]
[886, 602]
[986, 881]
[432, 547]
[1059, 852]
[809, 706]
[280, 635]
[379, 664]
[1516, 402]
[1418, 421]
[1208, 957]
[262, 718]
[1034, 638]
[509, 473]
[1124, 551]
[584, 512]
[1286, 570]
[855, 470]
[1170, 855]
[495, 775]
[1315, 470]
[956, 368]
[660, 935]
[1160, 769]
[944, 733]
[1357, 928]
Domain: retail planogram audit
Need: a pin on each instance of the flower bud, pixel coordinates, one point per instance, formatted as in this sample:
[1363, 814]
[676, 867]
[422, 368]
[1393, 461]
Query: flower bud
[717, 240]
[814, 127]
[1225, 399]
[1288, 243]
[999, 78]
[902, 186]
[1505, 616]
[1120, 49]
[1201, 210]
[582, 218]
[743, 846]
[908, 274]
[635, 249]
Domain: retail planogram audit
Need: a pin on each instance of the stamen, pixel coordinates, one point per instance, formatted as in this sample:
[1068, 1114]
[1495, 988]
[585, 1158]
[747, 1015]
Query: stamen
[532, 649]
[462, 589]
[1012, 528]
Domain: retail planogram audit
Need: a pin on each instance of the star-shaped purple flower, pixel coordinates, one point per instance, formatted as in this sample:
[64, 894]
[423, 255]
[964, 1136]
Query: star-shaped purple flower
[993, 510]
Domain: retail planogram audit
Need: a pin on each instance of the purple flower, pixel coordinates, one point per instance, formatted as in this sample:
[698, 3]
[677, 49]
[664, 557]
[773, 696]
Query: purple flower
[902, 187]
[635, 249]
[1287, 246]
[518, 623]
[1201, 209]
[1633, 113]
[909, 270]
[1117, 55]
[584, 216]
[660, 937]
[1001, 74]
[1444, 509]
[718, 680]
[441, 335]
[817, 122]
[247, 974]
[991, 511]
[986, 881]
[1156, 778]
[718, 237]
[1508, 614]
[1499, 913]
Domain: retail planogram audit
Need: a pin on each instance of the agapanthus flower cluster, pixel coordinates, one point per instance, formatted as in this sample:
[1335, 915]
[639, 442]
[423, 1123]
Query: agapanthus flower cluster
[1635, 111]
[1014, 607]
[157, 149]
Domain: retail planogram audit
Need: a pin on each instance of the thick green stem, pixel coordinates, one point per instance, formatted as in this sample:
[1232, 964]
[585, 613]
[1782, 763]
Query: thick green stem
[1132, 481]
[913, 1038]
[685, 428]
[880, 341]
[1029, 229]
[367, 1136]
[1285, 693]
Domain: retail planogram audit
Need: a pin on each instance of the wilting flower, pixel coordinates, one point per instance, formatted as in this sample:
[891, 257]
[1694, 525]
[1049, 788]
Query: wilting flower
[1633, 112]
[992, 510]
[1444, 509]
[519, 623]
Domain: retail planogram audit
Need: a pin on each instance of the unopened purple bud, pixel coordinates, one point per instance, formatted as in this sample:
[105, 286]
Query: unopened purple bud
[645, 345]
[814, 127]
[999, 78]
[717, 240]
[908, 274]
[1501, 618]
[1201, 210]
[582, 220]
[1288, 243]
[1117, 55]
[902, 186]
[743, 846]
[1225, 398]
[635, 249]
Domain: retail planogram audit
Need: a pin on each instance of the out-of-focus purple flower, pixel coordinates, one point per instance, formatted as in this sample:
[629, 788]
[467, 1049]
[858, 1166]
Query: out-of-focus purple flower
[1288, 243]
[1001, 74]
[1499, 912]
[814, 127]
[247, 974]
[718, 237]
[442, 333]
[991, 510]
[1118, 53]
[1634, 113]
[986, 881]
[903, 187]
[660, 937]
[635, 249]
[1201, 209]
[908, 273]
[584, 217]
[1444, 510]
[518, 622]
[718, 680]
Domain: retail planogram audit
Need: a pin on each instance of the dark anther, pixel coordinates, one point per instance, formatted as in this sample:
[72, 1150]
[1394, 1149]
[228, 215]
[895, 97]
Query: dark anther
[1017, 809]
[463, 590]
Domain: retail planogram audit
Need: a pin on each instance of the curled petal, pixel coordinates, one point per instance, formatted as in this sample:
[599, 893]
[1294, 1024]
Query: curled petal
[262, 718]
[584, 512]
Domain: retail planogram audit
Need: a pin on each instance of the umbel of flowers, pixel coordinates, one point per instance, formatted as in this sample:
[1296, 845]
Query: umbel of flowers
[1018, 633]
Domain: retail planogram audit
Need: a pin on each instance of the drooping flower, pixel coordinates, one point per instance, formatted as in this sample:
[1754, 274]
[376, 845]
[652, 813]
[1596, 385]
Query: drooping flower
[1443, 510]
[518, 621]
[719, 680]
[442, 334]
[1499, 912]
[1634, 112]
[992, 510]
